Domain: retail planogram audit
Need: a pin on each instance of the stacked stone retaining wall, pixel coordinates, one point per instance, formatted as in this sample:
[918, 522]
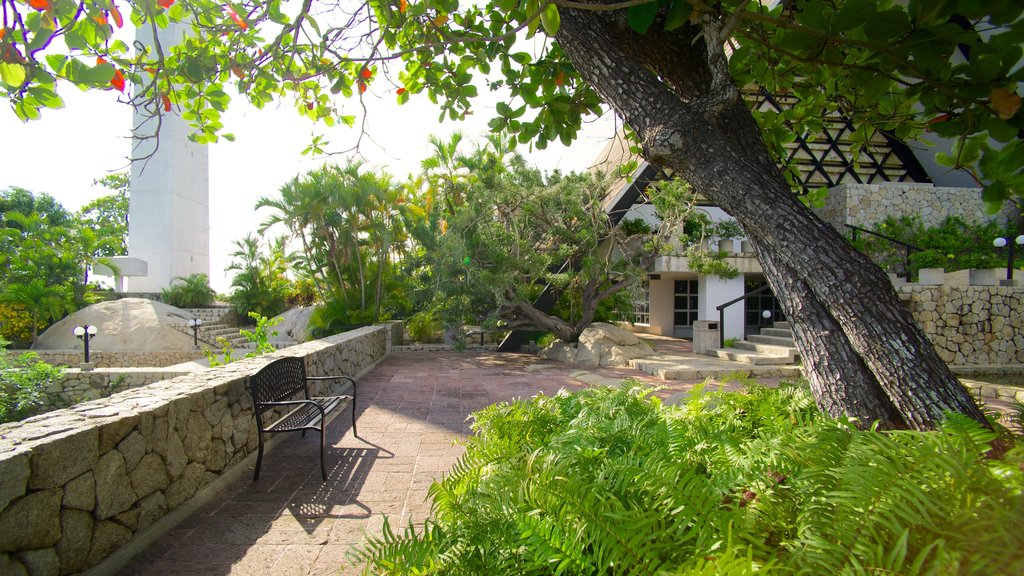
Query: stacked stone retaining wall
[76, 386]
[976, 325]
[865, 205]
[78, 484]
[122, 359]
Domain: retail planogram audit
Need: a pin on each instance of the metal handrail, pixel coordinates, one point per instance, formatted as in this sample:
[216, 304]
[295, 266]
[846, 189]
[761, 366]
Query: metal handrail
[909, 248]
[721, 312]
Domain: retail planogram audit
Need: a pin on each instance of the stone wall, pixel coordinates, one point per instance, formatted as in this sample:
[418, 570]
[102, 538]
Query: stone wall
[976, 325]
[123, 359]
[77, 484]
[77, 386]
[865, 205]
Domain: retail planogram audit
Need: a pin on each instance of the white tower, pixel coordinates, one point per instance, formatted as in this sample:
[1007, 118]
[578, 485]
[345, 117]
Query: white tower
[169, 205]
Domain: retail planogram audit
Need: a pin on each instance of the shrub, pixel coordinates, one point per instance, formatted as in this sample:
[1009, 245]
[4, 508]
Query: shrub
[608, 481]
[424, 326]
[191, 292]
[22, 383]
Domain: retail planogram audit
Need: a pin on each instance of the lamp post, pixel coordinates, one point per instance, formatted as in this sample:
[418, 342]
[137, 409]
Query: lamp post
[194, 324]
[765, 315]
[1000, 242]
[85, 333]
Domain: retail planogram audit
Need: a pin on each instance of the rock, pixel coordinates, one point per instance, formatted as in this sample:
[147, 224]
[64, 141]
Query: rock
[112, 432]
[600, 345]
[76, 541]
[185, 487]
[56, 462]
[129, 519]
[293, 326]
[14, 474]
[217, 457]
[80, 493]
[133, 448]
[32, 521]
[134, 324]
[114, 493]
[11, 567]
[175, 456]
[107, 537]
[41, 562]
[149, 476]
[151, 509]
[197, 438]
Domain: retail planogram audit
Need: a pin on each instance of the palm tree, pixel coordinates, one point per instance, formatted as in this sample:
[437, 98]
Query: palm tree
[42, 302]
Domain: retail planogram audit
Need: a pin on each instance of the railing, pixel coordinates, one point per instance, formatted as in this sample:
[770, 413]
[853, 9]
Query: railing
[721, 312]
[909, 248]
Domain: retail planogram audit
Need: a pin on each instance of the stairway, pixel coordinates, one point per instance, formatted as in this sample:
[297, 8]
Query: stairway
[773, 346]
[214, 327]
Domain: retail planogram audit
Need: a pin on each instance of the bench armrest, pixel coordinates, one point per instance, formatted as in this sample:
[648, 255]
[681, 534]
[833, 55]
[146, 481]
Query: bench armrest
[331, 378]
[290, 403]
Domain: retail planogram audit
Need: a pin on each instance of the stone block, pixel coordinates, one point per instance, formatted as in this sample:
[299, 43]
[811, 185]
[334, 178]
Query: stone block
[151, 509]
[175, 456]
[43, 562]
[114, 431]
[217, 456]
[11, 567]
[14, 474]
[80, 493]
[114, 493]
[129, 519]
[107, 536]
[63, 458]
[186, 486]
[197, 438]
[133, 448]
[32, 521]
[76, 540]
[149, 476]
[931, 276]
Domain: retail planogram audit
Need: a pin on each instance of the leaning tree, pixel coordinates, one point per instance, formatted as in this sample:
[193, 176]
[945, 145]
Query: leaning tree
[671, 69]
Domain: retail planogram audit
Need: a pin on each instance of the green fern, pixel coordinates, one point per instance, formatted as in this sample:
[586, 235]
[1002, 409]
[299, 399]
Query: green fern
[610, 481]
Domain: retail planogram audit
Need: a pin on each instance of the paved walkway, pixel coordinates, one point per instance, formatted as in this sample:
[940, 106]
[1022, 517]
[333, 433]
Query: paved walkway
[411, 408]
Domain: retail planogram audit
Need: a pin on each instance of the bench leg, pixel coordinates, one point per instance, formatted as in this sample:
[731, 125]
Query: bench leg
[354, 433]
[323, 465]
[259, 457]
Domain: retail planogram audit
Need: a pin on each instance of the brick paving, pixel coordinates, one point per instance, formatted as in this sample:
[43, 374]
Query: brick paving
[411, 408]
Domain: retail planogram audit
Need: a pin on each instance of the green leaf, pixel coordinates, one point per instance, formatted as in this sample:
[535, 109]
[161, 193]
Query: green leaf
[641, 17]
[550, 19]
[12, 74]
[97, 75]
[678, 14]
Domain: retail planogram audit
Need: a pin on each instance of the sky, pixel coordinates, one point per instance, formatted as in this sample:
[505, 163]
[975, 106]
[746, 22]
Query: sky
[66, 150]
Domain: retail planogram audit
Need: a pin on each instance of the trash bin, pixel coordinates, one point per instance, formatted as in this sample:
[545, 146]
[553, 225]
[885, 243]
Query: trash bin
[705, 337]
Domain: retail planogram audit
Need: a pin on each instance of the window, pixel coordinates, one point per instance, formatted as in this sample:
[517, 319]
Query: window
[685, 302]
[642, 304]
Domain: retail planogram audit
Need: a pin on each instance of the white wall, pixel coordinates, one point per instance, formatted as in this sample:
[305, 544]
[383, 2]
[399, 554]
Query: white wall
[169, 215]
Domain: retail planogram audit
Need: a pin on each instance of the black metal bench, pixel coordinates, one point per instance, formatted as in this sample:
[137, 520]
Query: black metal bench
[278, 384]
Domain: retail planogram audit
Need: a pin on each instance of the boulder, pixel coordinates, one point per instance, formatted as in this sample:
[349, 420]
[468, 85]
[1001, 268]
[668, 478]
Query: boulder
[135, 324]
[293, 326]
[600, 345]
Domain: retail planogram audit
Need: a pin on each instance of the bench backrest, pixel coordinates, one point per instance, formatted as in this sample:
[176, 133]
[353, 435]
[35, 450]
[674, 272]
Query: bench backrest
[279, 380]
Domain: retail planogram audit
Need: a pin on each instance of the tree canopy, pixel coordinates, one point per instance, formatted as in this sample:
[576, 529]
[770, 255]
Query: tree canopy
[671, 69]
[949, 66]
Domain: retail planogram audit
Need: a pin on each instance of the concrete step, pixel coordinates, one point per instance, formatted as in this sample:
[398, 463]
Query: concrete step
[782, 325]
[776, 331]
[772, 340]
[756, 358]
[770, 349]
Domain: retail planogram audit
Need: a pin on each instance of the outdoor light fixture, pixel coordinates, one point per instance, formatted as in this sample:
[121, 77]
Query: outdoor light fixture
[767, 314]
[194, 324]
[1000, 242]
[85, 333]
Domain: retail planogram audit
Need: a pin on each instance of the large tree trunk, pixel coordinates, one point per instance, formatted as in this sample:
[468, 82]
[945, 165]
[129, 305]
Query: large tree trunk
[864, 354]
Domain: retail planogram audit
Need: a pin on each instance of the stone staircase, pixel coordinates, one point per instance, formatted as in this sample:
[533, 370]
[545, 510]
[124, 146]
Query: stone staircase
[773, 346]
[214, 327]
